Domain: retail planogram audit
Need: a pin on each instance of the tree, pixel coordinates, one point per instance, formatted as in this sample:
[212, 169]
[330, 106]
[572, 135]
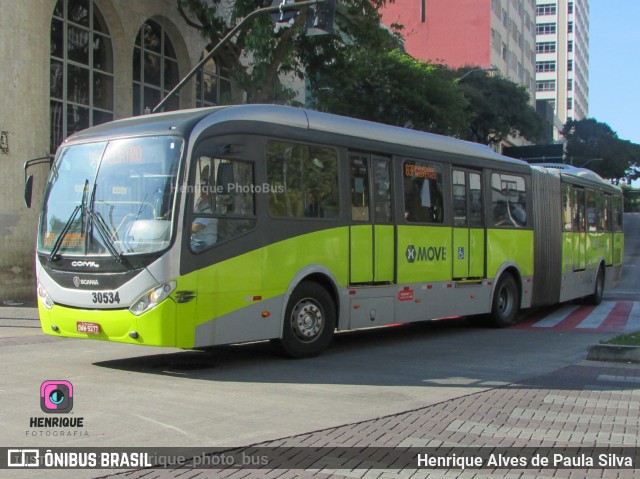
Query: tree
[263, 53]
[588, 140]
[498, 108]
[392, 88]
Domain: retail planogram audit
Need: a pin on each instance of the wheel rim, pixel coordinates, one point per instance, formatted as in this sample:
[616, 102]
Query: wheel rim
[307, 320]
[505, 302]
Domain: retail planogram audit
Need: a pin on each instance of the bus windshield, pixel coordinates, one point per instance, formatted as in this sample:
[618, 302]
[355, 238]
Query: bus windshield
[111, 197]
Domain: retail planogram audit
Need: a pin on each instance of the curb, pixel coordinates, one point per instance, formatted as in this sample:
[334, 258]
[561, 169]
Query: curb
[614, 353]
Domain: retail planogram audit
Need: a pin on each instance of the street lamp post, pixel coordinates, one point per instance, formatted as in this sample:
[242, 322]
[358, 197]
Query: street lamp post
[489, 69]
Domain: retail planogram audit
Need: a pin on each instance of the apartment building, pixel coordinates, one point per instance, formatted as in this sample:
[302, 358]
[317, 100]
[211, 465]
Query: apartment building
[483, 33]
[562, 57]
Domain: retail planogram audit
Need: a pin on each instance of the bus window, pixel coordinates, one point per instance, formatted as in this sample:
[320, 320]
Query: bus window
[223, 204]
[459, 199]
[359, 188]
[475, 200]
[423, 197]
[302, 181]
[382, 190]
[617, 214]
[509, 200]
[593, 214]
[567, 208]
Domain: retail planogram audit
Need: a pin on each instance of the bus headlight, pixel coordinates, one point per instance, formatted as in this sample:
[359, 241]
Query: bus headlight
[44, 297]
[152, 298]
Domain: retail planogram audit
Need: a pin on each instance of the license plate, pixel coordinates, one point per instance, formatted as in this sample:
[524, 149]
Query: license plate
[89, 328]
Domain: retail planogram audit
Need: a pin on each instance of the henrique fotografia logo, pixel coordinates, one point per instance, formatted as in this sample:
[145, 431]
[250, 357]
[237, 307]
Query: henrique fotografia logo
[56, 396]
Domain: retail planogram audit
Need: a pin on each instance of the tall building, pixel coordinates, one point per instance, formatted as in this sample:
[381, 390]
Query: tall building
[483, 33]
[562, 57]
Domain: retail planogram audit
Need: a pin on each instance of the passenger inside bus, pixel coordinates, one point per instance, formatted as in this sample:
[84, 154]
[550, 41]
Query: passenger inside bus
[204, 230]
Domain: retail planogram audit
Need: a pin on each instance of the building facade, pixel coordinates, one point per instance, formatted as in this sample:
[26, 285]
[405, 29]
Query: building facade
[71, 64]
[562, 58]
[484, 33]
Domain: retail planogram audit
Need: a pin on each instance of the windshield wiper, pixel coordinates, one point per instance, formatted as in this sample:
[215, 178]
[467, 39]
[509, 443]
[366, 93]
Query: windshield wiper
[53, 255]
[97, 219]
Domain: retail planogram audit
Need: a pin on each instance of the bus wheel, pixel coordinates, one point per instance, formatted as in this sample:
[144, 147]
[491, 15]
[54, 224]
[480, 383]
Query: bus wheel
[309, 322]
[506, 302]
[598, 291]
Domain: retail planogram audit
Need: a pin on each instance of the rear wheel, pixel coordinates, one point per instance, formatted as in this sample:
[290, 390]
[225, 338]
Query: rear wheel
[506, 302]
[598, 290]
[309, 322]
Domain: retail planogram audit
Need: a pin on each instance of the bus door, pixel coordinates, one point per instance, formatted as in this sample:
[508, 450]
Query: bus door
[372, 234]
[468, 227]
[579, 230]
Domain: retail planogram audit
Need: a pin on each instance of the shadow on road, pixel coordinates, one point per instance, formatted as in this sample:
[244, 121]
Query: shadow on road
[446, 353]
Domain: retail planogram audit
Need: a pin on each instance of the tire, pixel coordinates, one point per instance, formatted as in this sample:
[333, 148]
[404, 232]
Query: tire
[309, 322]
[506, 302]
[598, 290]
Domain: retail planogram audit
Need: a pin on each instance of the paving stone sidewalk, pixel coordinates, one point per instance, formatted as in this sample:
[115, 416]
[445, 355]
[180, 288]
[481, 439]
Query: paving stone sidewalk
[585, 405]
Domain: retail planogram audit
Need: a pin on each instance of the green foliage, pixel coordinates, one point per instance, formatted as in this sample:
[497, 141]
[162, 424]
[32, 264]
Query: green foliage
[498, 108]
[392, 88]
[588, 139]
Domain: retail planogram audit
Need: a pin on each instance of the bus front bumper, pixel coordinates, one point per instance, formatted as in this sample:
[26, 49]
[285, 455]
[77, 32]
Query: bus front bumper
[156, 327]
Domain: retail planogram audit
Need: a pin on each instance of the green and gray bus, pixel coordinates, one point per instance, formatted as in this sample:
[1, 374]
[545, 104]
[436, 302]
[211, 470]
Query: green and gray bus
[231, 224]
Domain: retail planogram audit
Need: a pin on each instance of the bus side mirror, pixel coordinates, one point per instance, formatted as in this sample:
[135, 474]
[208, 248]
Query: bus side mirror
[28, 191]
[28, 182]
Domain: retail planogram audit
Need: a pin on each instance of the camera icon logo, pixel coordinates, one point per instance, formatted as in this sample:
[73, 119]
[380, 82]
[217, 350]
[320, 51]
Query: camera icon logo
[56, 396]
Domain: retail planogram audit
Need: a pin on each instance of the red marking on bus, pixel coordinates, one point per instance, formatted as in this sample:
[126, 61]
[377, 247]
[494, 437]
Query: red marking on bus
[405, 295]
[257, 298]
[352, 292]
[429, 286]
[449, 285]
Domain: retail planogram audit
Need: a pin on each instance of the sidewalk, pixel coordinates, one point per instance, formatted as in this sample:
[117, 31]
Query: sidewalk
[19, 321]
[584, 405]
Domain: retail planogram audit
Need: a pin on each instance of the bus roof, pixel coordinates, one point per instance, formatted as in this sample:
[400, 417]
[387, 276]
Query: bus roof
[184, 121]
[580, 176]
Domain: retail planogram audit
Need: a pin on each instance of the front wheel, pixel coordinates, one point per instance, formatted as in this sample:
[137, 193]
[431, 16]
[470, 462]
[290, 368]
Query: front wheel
[506, 302]
[309, 322]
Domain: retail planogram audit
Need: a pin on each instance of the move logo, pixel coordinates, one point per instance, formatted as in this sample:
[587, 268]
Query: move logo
[426, 253]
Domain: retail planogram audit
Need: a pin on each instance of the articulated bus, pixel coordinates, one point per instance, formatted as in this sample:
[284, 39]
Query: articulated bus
[232, 224]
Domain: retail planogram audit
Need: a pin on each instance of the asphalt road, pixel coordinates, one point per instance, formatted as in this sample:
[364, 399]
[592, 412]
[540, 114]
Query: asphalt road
[241, 395]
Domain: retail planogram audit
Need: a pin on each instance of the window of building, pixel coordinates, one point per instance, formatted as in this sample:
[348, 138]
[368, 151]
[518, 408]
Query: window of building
[302, 181]
[570, 65]
[548, 66]
[508, 200]
[213, 83]
[546, 9]
[423, 193]
[546, 85]
[569, 103]
[570, 84]
[545, 28]
[570, 27]
[570, 46]
[570, 8]
[155, 69]
[546, 47]
[81, 69]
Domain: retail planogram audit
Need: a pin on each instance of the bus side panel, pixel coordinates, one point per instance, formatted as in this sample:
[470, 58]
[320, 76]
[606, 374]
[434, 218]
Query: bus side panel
[233, 294]
[424, 254]
[618, 247]
[511, 246]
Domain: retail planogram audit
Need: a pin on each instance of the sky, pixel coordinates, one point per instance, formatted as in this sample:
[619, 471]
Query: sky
[614, 66]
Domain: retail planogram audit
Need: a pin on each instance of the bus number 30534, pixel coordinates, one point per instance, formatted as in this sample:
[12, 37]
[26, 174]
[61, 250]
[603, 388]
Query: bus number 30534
[106, 298]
